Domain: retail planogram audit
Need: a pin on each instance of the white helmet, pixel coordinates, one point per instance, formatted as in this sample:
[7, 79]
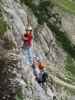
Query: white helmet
[29, 28]
[38, 59]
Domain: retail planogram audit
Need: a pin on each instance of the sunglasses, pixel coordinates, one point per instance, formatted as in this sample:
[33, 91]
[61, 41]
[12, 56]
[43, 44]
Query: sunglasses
[28, 30]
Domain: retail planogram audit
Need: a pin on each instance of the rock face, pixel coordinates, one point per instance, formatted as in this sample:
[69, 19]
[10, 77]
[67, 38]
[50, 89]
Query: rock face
[8, 68]
[19, 76]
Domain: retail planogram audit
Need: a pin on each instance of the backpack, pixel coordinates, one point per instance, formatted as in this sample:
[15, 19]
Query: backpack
[44, 77]
[39, 77]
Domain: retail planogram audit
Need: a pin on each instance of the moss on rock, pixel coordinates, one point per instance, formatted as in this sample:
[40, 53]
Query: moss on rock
[3, 26]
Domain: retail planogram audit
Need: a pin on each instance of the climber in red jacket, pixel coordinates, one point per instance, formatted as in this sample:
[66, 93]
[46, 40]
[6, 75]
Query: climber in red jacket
[27, 38]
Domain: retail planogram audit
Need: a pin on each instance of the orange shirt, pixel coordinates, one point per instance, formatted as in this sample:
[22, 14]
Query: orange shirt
[41, 66]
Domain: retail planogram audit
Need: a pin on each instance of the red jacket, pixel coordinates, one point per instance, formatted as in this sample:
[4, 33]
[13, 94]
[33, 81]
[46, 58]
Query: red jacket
[28, 39]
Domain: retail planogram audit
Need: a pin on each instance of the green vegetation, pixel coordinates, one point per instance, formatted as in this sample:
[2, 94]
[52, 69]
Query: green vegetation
[27, 2]
[62, 38]
[70, 69]
[19, 94]
[18, 97]
[68, 5]
[3, 26]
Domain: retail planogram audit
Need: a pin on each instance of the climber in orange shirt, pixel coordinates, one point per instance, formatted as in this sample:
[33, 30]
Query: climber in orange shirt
[39, 71]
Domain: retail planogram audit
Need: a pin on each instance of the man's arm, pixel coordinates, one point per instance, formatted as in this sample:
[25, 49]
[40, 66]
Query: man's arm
[25, 38]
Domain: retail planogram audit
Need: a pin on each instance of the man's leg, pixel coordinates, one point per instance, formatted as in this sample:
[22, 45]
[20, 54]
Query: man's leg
[30, 55]
[25, 56]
